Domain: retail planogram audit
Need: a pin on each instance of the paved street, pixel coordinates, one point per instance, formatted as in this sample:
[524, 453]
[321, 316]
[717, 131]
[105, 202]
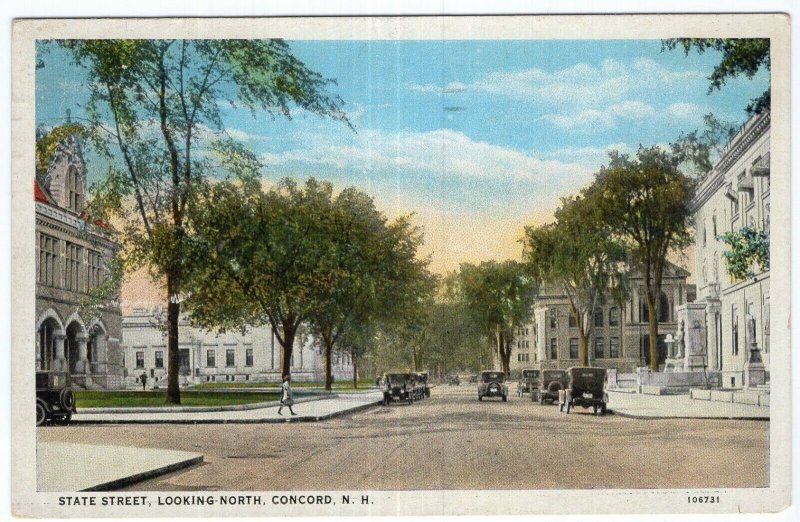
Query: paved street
[452, 441]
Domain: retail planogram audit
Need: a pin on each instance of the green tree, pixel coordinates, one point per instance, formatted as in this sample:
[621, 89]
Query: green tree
[579, 254]
[154, 115]
[499, 296]
[696, 151]
[645, 202]
[740, 56]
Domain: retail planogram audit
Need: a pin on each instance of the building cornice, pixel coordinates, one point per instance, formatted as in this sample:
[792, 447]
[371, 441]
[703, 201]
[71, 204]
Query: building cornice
[741, 142]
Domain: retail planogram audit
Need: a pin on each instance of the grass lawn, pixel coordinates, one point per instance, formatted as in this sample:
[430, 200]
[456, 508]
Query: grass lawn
[110, 399]
[338, 385]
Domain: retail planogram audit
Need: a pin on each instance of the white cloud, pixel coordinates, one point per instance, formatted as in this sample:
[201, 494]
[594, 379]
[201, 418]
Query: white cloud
[590, 120]
[686, 111]
[442, 152]
[581, 85]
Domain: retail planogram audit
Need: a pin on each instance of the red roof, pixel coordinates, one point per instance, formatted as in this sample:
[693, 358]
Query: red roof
[38, 193]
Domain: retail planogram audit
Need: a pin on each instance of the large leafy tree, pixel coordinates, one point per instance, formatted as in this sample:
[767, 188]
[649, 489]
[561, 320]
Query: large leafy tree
[740, 56]
[297, 255]
[580, 255]
[154, 115]
[499, 296]
[645, 202]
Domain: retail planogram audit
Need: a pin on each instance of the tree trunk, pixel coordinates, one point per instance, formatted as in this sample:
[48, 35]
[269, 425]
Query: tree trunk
[286, 350]
[583, 347]
[652, 329]
[173, 316]
[506, 356]
[355, 372]
[326, 359]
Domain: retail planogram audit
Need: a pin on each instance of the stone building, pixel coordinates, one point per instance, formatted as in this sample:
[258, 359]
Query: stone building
[619, 337]
[734, 194]
[211, 357]
[71, 261]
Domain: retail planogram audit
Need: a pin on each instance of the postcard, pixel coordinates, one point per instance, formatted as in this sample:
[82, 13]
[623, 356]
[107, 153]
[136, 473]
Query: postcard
[400, 265]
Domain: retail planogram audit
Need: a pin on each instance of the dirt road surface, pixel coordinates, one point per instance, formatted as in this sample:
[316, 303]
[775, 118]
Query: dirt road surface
[452, 441]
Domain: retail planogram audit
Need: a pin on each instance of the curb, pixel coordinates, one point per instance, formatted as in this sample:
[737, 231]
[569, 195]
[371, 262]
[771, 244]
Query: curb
[702, 417]
[299, 418]
[138, 477]
[196, 409]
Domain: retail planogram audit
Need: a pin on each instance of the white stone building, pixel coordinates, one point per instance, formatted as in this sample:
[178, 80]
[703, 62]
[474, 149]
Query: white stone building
[734, 194]
[216, 357]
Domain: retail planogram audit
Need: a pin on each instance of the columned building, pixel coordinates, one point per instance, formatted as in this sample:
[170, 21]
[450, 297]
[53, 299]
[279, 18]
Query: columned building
[619, 337]
[734, 195]
[204, 356]
[73, 333]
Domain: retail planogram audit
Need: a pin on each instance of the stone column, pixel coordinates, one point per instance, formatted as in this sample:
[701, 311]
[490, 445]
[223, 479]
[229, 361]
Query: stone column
[754, 371]
[83, 363]
[59, 362]
[712, 313]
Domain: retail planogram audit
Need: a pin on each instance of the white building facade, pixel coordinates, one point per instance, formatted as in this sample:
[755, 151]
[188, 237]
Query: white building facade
[733, 195]
[204, 356]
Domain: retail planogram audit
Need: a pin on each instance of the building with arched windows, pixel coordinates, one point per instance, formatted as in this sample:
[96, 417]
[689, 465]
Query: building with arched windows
[73, 332]
[619, 335]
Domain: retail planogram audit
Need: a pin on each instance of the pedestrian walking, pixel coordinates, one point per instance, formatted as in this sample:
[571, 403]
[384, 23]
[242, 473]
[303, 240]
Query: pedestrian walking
[286, 396]
[143, 378]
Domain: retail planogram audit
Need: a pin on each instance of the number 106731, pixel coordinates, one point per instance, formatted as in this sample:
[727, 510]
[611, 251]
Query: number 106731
[703, 499]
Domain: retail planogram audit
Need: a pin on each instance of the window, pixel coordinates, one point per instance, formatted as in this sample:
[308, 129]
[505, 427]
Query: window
[735, 208]
[644, 311]
[554, 348]
[159, 359]
[139, 359]
[613, 316]
[553, 318]
[73, 190]
[230, 357]
[72, 267]
[211, 358]
[94, 270]
[573, 348]
[613, 347]
[735, 333]
[714, 224]
[599, 348]
[572, 322]
[48, 253]
[248, 357]
[523, 357]
[598, 317]
[663, 308]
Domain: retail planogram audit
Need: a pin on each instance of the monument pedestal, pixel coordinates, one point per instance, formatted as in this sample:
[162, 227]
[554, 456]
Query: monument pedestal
[755, 373]
[673, 365]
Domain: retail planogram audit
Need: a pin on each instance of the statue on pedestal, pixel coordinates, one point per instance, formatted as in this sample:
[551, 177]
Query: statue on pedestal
[679, 342]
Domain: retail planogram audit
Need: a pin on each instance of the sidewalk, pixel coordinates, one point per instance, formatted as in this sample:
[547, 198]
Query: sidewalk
[680, 407]
[311, 411]
[103, 468]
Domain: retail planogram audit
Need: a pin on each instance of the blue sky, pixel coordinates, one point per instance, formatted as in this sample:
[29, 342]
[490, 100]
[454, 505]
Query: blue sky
[479, 138]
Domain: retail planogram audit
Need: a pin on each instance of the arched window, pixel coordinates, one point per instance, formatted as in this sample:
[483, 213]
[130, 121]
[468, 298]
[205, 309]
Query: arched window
[663, 308]
[613, 316]
[598, 317]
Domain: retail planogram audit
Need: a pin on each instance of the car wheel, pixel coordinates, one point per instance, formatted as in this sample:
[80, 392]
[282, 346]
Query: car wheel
[66, 399]
[41, 413]
[505, 398]
[603, 409]
[480, 397]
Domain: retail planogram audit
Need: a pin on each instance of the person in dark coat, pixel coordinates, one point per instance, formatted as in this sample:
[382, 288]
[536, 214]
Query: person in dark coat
[286, 396]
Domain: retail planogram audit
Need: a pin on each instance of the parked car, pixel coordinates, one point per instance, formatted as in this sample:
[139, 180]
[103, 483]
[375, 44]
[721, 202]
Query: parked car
[422, 382]
[550, 383]
[454, 380]
[55, 401]
[398, 387]
[528, 383]
[492, 384]
[586, 389]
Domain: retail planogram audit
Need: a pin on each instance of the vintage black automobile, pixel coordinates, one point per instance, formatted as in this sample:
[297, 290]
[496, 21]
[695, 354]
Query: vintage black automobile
[550, 383]
[492, 384]
[529, 383]
[55, 401]
[398, 387]
[422, 384]
[585, 389]
[454, 380]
